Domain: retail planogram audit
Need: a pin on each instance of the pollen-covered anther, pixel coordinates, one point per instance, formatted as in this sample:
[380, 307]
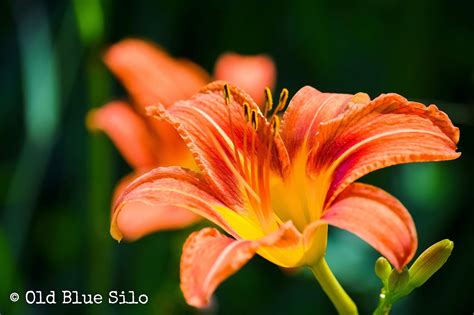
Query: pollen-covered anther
[282, 101]
[254, 119]
[268, 100]
[246, 109]
[275, 125]
[227, 94]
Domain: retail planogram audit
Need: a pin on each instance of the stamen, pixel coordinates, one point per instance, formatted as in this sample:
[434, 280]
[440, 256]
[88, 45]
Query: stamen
[227, 94]
[253, 170]
[275, 125]
[248, 160]
[224, 151]
[268, 101]
[246, 109]
[227, 98]
[282, 101]
[264, 165]
[254, 119]
[253, 155]
[220, 150]
[245, 154]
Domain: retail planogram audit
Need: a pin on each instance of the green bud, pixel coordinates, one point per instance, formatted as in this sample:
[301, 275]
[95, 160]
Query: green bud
[398, 281]
[430, 261]
[382, 268]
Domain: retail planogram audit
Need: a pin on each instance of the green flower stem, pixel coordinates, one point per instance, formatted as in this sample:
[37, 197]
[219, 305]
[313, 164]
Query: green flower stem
[335, 292]
[384, 306]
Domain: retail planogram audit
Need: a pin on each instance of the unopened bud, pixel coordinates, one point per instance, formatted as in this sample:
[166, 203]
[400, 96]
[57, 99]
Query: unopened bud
[398, 281]
[430, 261]
[382, 268]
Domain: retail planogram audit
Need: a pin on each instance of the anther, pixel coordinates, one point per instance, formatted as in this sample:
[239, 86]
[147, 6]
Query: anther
[275, 125]
[227, 94]
[246, 108]
[254, 119]
[268, 100]
[282, 101]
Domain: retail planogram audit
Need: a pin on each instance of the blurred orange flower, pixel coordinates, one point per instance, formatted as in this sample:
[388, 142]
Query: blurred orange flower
[152, 76]
[275, 190]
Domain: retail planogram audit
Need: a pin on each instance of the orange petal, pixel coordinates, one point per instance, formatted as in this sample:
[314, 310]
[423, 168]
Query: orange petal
[128, 131]
[389, 130]
[203, 122]
[210, 257]
[378, 218]
[151, 75]
[307, 110]
[122, 184]
[250, 73]
[164, 198]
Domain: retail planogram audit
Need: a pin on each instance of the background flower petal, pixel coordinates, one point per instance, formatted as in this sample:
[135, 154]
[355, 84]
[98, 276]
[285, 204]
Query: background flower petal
[128, 131]
[151, 75]
[250, 73]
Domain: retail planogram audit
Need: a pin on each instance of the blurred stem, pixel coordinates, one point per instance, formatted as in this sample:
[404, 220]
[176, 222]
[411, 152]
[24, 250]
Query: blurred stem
[41, 115]
[100, 184]
[335, 292]
[24, 190]
[90, 22]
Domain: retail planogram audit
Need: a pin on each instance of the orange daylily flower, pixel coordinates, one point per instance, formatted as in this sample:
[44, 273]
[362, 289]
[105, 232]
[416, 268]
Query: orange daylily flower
[275, 189]
[151, 75]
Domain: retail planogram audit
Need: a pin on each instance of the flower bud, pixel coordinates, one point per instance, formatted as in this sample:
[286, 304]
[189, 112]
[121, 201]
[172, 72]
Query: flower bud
[430, 261]
[398, 281]
[382, 268]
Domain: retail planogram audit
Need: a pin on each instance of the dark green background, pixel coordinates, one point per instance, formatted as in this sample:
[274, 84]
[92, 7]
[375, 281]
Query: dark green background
[56, 179]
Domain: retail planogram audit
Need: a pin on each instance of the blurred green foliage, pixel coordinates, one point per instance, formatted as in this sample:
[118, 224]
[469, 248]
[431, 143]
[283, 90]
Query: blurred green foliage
[56, 179]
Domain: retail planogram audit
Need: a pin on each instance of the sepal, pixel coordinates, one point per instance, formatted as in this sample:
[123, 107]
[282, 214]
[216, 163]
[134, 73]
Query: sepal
[398, 281]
